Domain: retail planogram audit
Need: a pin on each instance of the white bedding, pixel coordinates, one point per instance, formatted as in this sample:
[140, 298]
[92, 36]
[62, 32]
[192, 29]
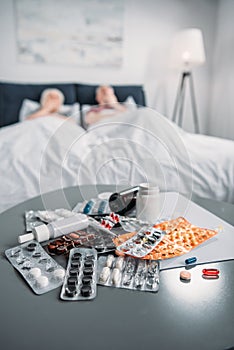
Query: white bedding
[47, 153]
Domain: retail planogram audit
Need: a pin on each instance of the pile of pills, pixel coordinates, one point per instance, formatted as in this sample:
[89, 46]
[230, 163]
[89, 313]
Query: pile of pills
[80, 280]
[39, 270]
[207, 273]
[129, 273]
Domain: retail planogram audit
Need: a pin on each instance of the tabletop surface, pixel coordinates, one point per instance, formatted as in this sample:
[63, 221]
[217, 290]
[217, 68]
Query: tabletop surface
[195, 315]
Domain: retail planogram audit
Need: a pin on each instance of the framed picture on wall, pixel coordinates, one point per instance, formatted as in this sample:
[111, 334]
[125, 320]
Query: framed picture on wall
[88, 33]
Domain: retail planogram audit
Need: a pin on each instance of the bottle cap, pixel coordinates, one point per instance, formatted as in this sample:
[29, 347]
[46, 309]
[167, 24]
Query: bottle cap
[105, 195]
[148, 189]
[25, 238]
[41, 233]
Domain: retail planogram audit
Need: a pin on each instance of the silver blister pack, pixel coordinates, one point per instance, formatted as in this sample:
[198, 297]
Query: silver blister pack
[40, 270]
[31, 220]
[53, 215]
[35, 218]
[143, 242]
[94, 236]
[128, 273]
[80, 281]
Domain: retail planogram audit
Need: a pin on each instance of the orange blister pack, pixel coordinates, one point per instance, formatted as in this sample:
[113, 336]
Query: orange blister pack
[181, 237]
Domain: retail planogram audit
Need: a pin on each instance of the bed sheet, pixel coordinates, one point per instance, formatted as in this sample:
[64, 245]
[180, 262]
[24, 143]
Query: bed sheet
[49, 153]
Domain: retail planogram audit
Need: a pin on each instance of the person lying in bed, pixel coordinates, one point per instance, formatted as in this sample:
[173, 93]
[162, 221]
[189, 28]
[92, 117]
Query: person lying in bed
[50, 103]
[108, 105]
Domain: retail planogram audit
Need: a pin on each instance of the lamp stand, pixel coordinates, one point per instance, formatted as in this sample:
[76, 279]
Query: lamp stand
[179, 102]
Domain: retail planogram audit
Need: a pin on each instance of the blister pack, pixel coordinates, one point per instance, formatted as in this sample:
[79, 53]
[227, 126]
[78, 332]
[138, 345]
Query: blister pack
[94, 236]
[53, 215]
[81, 275]
[39, 269]
[35, 218]
[181, 237]
[127, 272]
[143, 242]
[94, 206]
[31, 220]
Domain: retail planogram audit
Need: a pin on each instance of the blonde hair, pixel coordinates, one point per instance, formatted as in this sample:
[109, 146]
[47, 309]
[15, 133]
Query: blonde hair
[48, 91]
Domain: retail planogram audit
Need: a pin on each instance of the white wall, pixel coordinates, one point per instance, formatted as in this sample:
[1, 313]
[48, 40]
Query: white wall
[221, 121]
[148, 31]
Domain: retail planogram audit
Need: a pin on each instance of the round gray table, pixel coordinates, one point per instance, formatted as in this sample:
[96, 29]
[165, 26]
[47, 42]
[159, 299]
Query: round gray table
[195, 315]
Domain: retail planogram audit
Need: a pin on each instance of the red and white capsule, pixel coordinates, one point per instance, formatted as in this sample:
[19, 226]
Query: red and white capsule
[210, 272]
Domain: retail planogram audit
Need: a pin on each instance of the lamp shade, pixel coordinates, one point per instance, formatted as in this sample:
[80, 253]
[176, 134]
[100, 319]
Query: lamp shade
[188, 49]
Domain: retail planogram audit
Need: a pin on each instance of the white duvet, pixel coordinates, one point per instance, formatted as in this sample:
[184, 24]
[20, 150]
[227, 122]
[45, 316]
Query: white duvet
[47, 153]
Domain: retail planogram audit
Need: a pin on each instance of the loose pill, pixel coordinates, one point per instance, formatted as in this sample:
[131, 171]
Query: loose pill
[185, 275]
[191, 260]
[210, 272]
[210, 277]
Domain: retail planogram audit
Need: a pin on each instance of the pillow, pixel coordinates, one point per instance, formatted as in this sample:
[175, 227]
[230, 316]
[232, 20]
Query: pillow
[129, 103]
[28, 107]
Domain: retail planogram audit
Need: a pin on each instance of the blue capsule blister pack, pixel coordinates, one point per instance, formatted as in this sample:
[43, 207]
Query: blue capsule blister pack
[94, 206]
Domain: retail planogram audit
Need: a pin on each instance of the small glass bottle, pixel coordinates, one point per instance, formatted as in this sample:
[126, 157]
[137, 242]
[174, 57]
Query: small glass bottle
[56, 228]
[148, 203]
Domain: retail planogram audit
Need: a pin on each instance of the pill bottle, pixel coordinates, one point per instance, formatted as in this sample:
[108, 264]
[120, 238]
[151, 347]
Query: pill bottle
[56, 228]
[123, 202]
[148, 202]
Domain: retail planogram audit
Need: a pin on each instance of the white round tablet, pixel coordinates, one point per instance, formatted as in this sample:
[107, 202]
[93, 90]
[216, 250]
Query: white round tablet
[35, 272]
[59, 273]
[42, 281]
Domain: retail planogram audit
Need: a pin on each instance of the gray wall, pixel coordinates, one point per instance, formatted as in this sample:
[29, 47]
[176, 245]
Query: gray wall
[221, 121]
[148, 31]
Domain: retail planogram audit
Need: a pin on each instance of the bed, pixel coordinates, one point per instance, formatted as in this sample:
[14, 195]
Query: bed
[137, 146]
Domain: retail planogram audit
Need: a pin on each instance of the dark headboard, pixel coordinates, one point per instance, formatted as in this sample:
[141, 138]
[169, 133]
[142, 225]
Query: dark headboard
[13, 94]
[86, 93]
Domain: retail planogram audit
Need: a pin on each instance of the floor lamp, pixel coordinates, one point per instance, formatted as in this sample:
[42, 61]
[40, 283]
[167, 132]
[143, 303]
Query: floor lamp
[188, 52]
